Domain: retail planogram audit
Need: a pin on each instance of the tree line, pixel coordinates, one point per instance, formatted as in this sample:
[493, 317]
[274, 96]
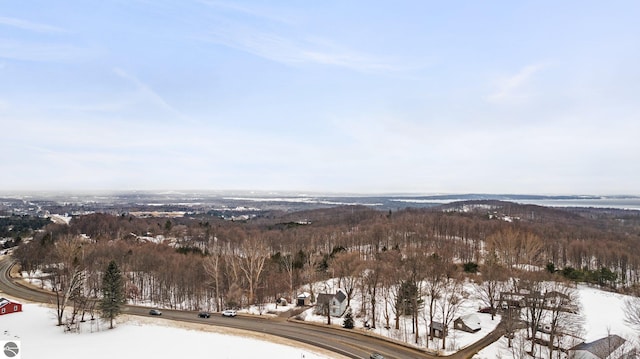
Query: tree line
[416, 259]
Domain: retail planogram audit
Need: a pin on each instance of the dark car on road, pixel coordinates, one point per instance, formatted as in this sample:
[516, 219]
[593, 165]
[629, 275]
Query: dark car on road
[204, 315]
[376, 356]
[155, 312]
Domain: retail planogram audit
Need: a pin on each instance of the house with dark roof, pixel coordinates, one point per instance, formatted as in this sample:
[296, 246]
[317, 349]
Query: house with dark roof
[468, 323]
[610, 347]
[335, 303]
[7, 306]
[438, 330]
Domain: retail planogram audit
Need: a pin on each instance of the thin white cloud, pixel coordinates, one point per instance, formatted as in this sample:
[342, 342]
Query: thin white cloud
[148, 93]
[28, 25]
[282, 37]
[264, 13]
[97, 107]
[353, 61]
[510, 87]
[41, 52]
[296, 52]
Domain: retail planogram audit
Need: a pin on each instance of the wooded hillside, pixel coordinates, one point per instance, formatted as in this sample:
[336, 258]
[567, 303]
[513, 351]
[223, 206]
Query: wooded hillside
[207, 261]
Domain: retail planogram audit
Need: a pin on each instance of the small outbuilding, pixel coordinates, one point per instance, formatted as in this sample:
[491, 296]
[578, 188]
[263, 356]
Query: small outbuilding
[468, 323]
[7, 306]
[438, 330]
[303, 299]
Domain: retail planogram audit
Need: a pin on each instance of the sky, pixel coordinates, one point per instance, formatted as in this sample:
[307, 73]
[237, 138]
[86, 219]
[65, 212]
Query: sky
[535, 97]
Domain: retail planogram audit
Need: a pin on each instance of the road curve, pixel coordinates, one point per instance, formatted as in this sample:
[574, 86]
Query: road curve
[344, 342]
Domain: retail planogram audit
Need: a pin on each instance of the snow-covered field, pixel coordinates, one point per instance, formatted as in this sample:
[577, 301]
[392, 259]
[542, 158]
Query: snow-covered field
[604, 314]
[136, 337]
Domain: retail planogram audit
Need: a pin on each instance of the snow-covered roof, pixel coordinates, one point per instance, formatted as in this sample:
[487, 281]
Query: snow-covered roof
[4, 301]
[603, 347]
[471, 320]
[304, 295]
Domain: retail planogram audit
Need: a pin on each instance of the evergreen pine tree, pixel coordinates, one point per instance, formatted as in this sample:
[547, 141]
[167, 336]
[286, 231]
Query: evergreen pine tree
[348, 322]
[112, 293]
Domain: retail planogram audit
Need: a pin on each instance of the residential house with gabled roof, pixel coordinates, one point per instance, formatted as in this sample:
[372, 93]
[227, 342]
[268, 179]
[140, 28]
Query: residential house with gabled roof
[512, 300]
[555, 300]
[468, 323]
[336, 303]
[610, 347]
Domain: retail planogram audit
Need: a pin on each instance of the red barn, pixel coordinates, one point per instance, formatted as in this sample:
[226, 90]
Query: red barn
[7, 306]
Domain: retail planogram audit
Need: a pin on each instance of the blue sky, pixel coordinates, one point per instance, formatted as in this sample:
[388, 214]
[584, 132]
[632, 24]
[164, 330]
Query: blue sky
[329, 96]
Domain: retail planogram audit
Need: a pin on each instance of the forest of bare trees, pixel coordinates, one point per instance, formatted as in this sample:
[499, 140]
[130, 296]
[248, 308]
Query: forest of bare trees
[211, 264]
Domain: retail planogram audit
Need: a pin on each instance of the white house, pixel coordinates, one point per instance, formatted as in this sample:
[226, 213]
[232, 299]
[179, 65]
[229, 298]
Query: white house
[336, 303]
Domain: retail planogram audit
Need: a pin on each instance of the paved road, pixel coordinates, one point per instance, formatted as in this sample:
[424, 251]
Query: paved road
[344, 342]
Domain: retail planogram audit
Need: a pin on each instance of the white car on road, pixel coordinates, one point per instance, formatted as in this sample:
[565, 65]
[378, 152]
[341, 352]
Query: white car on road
[229, 313]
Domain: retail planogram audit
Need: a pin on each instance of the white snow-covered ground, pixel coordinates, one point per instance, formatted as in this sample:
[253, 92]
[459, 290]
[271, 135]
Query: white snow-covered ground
[136, 337]
[455, 341]
[602, 315]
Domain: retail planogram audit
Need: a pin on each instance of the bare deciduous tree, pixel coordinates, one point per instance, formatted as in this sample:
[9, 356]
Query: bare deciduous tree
[213, 268]
[492, 283]
[348, 267]
[68, 276]
[450, 301]
[433, 288]
[561, 314]
[632, 312]
[514, 245]
[287, 263]
[534, 305]
[253, 253]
